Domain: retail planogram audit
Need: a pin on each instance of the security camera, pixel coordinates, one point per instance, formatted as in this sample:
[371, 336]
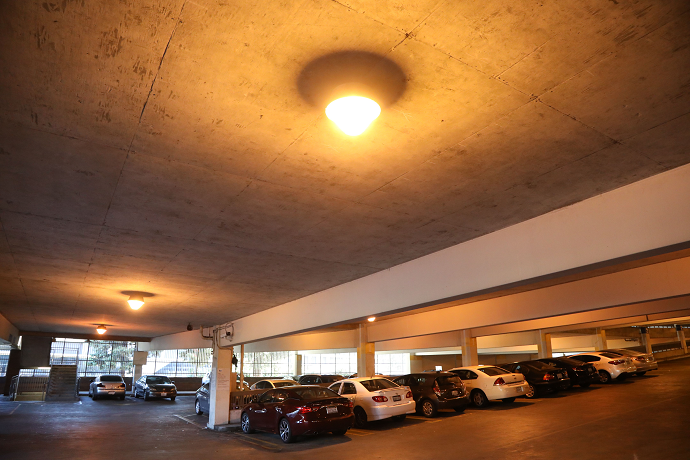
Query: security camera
[189, 327]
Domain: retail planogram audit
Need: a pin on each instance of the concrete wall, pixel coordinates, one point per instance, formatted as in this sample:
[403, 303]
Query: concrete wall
[8, 333]
[35, 351]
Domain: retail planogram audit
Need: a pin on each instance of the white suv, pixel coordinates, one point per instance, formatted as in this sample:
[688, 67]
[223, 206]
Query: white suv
[611, 366]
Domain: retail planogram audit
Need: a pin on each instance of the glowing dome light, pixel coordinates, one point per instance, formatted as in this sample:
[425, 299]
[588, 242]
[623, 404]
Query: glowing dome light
[135, 301]
[353, 114]
[101, 329]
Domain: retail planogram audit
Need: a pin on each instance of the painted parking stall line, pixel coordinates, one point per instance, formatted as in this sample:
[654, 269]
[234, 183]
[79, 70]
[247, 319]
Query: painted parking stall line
[258, 442]
[181, 417]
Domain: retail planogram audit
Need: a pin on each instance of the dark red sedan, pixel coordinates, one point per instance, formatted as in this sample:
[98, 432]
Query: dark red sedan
[298, 410]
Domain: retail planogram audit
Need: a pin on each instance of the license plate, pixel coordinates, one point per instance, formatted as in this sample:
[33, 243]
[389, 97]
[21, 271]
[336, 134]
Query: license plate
[396, 398]
[164, 394]
[454, 392]
[331, 410]
[111, 392]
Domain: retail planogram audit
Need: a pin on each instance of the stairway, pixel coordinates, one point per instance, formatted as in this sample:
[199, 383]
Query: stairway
[62, 383]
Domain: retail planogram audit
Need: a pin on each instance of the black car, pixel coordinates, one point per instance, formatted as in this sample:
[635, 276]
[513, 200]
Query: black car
[583, 374]
[436, 390]
[154, 386]
[203, 396]
[541, 377]
[321, 380]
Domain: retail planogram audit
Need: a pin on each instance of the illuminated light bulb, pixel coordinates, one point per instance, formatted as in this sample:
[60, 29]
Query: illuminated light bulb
[353, 114]
[135, 301]
[371, 319]
[101, 329]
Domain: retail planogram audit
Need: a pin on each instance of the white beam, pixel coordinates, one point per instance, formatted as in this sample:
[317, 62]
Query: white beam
[644, 216]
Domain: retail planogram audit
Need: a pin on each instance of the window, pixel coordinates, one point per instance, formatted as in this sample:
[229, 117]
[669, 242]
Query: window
[94, 357]
[377, 384]
[269, 364]
[335, 387]
[4, 358]
[418, 380]
[392, 363]
[329, 363]
[402, 381]
[462, 373]
[349, 389]
[193, 362]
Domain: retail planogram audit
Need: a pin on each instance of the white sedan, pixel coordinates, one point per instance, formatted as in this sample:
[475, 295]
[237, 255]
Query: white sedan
[611, 366]
[375, 398]
[269, 384]
[490, 383]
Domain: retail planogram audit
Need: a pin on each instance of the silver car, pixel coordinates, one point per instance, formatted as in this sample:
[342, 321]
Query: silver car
[107, 385]
[644, 362]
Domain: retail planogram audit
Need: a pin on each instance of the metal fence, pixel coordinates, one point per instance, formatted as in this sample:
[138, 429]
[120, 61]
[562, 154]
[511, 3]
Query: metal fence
[24, 387]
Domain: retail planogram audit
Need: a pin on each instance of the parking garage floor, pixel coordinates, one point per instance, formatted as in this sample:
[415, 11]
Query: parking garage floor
[641, 419]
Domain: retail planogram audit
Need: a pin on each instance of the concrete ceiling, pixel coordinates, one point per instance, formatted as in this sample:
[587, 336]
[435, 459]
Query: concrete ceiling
[164, 146]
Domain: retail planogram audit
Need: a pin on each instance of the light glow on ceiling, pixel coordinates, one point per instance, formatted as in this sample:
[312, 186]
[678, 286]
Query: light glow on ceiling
[353, 114]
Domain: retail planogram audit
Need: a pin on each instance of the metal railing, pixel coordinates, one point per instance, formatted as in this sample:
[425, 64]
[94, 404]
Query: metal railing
[23, 386]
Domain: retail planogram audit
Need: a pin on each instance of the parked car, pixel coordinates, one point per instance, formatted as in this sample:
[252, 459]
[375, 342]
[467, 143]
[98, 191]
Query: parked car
[298, 410]
[321, 380]
[610, 366]
[435, 390]
[491, 383]
[269, 384]
[375, 398]
[583, 374]
[107, 385]
[207, 379]
[541, 377]
[154, 386]
[644, 362]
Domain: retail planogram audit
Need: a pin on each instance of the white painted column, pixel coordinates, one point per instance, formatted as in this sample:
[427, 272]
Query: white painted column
[366, 354]
[241, 367]
[416, 363]
[681, 337]
[600, 340]
[644, 334]
[544, 349]
[221, 375]
[469, 348]
[139, 360]
[297, 364]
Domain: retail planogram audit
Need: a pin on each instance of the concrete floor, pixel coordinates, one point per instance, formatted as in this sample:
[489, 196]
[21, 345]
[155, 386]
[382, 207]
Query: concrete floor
[641, 419]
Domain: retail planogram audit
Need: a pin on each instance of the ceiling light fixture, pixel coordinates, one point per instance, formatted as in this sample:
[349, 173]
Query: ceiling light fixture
[371, 319]
[136, 301]
[353, 114]
[101, 329]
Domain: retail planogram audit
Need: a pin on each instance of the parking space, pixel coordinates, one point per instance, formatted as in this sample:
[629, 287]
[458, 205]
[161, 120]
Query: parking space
[642, 418]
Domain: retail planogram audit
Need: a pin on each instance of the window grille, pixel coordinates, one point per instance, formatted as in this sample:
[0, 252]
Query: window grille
[4, 358]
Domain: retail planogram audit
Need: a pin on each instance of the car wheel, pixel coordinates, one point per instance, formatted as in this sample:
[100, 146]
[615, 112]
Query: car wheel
[478, 398]
[459, 409]
[360, 417]
[285, 431]
[585, 385]
[246, 426]
[146, 395]
[604, 377]
[90, 394]
[508, 400]
[197, 407]
[173, 398]
[531, 392]
[640, 374]
[134, 394]
[95, 396]
[428, 408]
[339, 432]
[122, 397]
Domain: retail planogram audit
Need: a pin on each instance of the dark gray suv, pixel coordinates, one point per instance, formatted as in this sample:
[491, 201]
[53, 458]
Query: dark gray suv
[436, 390]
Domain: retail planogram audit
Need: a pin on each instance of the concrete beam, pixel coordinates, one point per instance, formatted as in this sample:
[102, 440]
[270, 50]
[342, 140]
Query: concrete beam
[181, 340]
[8, 333]
[610, 227]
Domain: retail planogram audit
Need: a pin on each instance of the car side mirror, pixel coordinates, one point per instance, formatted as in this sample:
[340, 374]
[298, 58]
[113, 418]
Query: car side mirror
[172, 381]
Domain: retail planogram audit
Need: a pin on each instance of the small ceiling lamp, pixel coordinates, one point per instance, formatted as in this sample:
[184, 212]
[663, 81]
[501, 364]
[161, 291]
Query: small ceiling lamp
[101, 329]
[136, 301]
[371, 319]
[353, 114]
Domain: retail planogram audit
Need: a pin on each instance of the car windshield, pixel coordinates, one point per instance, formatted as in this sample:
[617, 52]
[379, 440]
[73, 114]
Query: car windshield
[493, 371]
[314, 393]
[331, 378]
[283, 384]
[444, 380]
[157, 380]
[111, 378]
[568, 362]
[539, 365]
[377, 384]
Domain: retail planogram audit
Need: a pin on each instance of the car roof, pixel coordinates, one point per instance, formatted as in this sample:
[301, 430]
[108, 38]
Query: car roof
[475, 367]
[276, 380]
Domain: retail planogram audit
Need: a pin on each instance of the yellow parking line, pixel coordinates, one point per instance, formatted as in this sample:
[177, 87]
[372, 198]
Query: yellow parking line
[258, 442]
[358, 432]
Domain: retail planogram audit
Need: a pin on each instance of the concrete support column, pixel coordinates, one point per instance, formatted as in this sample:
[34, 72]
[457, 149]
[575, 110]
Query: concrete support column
[644, 334]
[600, 340]
[366, 356]
[221, 376]
[13, 367]
[681, 337]
[544, 345]
[469, 348]
[297, 364]
[139, 359]
[416, 363]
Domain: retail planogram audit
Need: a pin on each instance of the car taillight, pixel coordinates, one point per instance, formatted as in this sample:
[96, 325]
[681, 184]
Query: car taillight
[549, 377]
[379, 398]
[122, 385]
[641, 359]
[409, 394]
[617, 362]
[436, 389]
[499, 381]
[305, 409]
[350, 404]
